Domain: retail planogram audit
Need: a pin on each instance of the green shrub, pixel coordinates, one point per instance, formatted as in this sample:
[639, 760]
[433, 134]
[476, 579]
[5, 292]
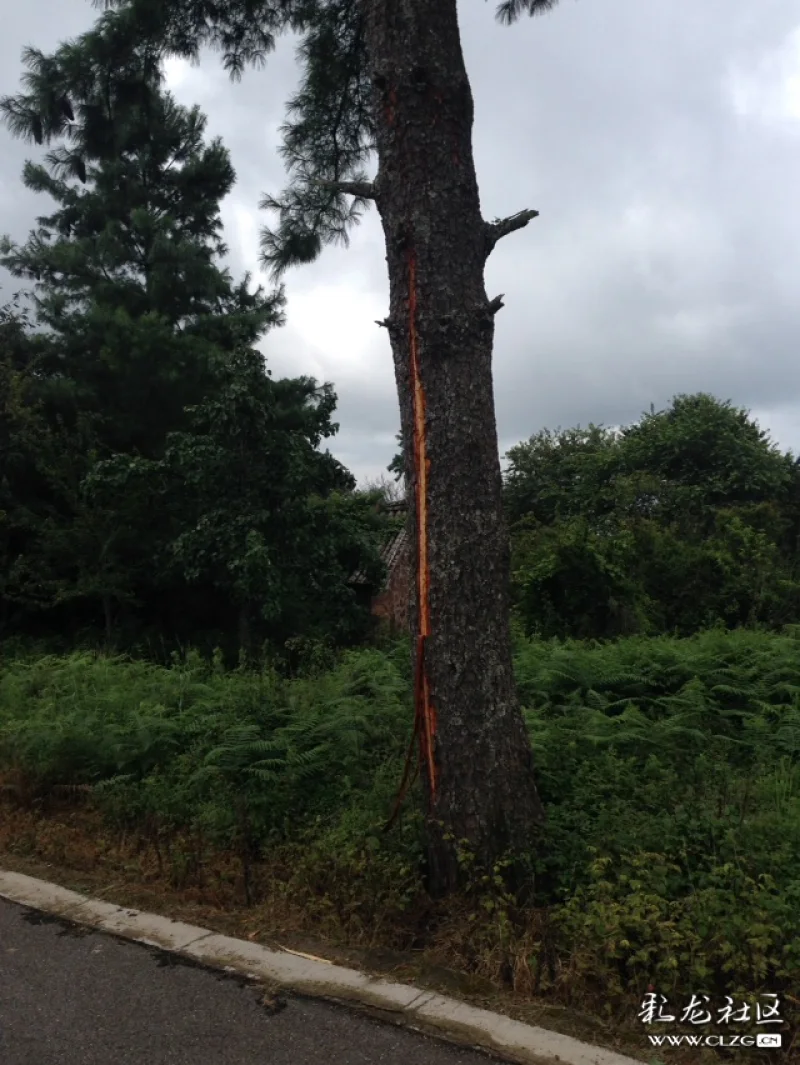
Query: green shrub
[670, 769]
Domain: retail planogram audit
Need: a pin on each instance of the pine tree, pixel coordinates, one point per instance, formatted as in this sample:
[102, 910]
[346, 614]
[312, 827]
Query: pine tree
[127, 268]
[390, 80]
[138, 316]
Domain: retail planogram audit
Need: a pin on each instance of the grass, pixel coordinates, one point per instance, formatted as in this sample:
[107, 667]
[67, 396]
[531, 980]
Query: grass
[669, 768]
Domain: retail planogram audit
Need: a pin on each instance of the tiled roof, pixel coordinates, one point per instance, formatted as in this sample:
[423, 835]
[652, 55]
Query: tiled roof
[392, 549]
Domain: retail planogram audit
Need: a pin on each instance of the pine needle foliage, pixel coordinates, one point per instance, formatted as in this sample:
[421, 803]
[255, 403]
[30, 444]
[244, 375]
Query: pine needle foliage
[511, 10]
[329, 134]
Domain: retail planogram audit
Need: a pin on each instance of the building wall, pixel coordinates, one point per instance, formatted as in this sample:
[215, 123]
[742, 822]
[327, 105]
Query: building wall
[392, 603]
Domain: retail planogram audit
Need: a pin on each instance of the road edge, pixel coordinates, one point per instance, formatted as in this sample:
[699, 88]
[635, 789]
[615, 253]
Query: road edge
[402, 1004]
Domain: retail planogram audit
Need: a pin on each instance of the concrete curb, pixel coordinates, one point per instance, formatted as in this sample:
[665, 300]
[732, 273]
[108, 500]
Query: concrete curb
[402, 1004]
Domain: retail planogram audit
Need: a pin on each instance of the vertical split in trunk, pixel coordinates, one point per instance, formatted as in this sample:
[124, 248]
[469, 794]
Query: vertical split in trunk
[474, 746]
[424, 713]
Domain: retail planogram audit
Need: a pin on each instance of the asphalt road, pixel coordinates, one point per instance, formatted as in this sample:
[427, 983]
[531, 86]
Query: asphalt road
[69, 996]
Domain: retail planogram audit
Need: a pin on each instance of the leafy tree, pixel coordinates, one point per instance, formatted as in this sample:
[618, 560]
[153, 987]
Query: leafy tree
[715, 489]
[703, 454]
[562, 474]
[265, 516]
[680, 521]
[20, 435]
[735, 574]
[570, 580]
[397, 88]
[41, 441]
[59, 547]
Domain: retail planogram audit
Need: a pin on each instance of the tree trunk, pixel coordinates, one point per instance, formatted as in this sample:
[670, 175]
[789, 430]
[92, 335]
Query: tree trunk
[476, 753]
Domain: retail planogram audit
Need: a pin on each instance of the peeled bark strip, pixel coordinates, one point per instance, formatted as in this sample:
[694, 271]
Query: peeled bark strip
[475, 750]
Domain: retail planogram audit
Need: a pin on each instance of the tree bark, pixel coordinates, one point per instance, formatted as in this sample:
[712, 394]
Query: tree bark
[476, 755]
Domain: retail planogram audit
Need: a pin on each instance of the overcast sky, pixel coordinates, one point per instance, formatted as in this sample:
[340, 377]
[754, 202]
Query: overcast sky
[659, 139]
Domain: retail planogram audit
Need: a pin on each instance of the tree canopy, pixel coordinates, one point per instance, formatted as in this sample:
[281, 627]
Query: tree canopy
[153, 471]
[686, 518]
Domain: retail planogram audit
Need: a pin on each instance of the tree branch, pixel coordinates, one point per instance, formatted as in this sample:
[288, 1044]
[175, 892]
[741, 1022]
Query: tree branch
[496, 304]
[501, 227]
[365, 190]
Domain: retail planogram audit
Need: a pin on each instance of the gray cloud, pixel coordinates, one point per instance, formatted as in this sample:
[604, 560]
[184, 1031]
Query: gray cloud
[659, 140]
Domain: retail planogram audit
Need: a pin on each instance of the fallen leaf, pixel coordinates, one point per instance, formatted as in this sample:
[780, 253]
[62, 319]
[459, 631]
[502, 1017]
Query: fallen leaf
[274, 1003]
